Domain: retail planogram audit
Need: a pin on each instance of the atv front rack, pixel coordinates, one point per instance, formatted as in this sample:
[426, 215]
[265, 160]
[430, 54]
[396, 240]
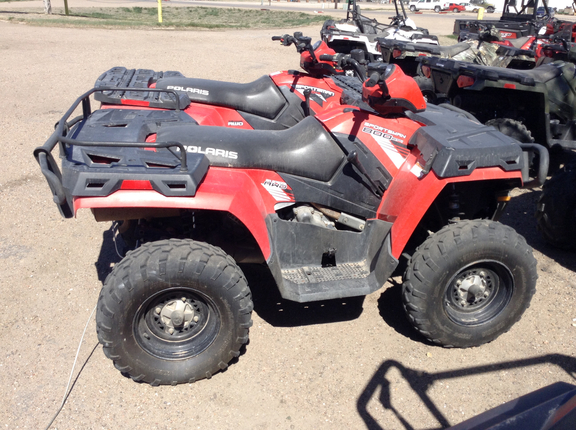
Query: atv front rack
[102, 170]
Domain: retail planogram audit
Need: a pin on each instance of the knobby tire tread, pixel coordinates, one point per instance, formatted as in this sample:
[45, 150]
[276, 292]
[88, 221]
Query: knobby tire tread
[556, 209]
[431, 258]
[134, 269]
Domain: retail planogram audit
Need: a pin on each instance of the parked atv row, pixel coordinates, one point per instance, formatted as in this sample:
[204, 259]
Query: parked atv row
[331, 200]
[519, 19]
[359, 32]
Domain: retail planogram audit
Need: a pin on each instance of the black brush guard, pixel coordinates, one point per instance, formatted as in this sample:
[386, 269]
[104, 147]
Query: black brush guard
[181, 180]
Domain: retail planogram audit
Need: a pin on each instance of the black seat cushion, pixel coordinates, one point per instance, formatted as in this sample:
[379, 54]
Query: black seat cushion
[261, 97]
[306, 149]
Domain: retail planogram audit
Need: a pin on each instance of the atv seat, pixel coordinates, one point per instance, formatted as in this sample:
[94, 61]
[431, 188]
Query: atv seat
[444, 51]
[511, 51]
[519, 42]
[530, 77]
[538, 75]
[306, 149]
[261, 97]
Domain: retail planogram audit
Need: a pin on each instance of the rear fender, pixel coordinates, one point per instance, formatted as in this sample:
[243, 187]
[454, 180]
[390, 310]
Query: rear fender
[249, 195]
[203, 114]
[412, 192]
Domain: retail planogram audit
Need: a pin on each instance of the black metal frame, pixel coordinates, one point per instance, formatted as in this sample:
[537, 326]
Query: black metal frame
[49, 166]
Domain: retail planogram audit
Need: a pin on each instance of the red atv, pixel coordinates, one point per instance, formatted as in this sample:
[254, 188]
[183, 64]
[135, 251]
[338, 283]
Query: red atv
[330, 205]
[273, 102]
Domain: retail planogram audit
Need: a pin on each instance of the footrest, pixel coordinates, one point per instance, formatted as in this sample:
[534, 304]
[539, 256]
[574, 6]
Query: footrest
[313, 275]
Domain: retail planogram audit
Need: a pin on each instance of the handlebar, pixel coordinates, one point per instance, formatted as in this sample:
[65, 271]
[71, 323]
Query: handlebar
[302, 42]
[345, 61]
[372, 80]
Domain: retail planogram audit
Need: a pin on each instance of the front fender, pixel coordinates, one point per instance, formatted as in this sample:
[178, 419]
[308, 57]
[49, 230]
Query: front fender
[412, 192]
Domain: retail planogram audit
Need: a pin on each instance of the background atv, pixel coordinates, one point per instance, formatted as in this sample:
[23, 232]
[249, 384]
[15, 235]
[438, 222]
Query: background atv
[273, 102]
[483, 49]
[533, 105]
[330, 205]
[530, 105]
[518, 19]
[359, 32]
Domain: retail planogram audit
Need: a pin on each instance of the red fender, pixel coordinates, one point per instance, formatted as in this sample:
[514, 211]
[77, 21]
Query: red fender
[409, 197]
[249, 195]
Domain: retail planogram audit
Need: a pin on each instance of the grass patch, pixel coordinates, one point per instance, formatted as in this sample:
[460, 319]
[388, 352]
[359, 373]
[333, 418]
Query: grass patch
[172, 17]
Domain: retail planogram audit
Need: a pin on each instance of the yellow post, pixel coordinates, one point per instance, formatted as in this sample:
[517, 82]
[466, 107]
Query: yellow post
[160, 11]
[480, 13]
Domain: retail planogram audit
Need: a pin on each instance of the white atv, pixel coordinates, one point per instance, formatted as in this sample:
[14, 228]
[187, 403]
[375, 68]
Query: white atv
[360, 32]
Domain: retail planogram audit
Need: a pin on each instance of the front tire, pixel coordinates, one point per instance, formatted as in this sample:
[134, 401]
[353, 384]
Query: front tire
[413, 8]
[469, 283]
[556, 209]
[437, 9]
[174, 311]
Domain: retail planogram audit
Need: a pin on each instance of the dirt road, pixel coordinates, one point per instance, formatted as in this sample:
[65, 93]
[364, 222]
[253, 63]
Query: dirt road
[353, 364]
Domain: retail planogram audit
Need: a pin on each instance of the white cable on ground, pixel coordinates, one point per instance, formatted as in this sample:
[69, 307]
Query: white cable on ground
[66, 393]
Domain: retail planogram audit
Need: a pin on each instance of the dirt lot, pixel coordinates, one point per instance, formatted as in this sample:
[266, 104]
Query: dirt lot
[353, 364]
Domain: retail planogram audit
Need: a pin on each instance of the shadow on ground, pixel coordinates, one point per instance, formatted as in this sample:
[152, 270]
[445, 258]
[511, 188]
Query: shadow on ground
[275, 310]
[380, 389]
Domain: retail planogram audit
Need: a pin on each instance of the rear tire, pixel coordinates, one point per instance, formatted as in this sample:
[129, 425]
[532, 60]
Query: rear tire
[556, 209]
[174, 311]
[427, 88]
[413, 8]
[512, 128]
[469, 283]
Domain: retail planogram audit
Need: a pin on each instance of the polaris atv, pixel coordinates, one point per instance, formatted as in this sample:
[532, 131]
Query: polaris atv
[276, 102]
[330, 204]
[359, 32]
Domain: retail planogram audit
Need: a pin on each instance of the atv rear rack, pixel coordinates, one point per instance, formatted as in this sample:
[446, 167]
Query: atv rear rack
[168, 172]
[529, 77]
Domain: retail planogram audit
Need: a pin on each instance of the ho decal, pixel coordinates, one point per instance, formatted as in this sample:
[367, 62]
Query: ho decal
[279, 190]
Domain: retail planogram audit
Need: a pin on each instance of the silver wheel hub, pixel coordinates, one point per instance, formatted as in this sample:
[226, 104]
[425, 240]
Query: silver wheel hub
[177, 315]
[472, 289]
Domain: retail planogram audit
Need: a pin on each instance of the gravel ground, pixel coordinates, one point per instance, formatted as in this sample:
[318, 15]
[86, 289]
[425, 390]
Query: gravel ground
[352, 364]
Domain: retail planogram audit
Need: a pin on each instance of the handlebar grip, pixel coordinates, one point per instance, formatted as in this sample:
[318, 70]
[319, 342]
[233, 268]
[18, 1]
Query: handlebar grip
[373, 80]
[327, 57]
[276, 37]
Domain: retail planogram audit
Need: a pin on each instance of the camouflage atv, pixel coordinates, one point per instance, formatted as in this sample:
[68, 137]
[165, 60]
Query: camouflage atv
[528, 105]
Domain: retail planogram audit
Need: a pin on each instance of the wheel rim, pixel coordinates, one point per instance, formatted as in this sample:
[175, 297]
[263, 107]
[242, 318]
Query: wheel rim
[478, 293]
[176, 323]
